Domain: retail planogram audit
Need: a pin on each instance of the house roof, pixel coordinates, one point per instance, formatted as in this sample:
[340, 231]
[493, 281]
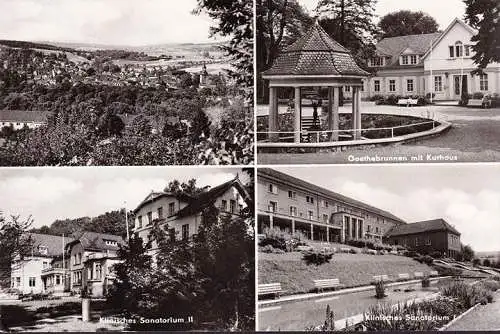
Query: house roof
[207, 198]
[421, 227]
[394, 46]
[325, 192]
[315, 53]
[53, 243]
[97, 241]
[153, 196]
[23, 116]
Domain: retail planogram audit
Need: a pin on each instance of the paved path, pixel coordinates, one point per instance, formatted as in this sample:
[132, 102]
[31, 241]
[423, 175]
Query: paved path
[483, 317]
[70, 323]
[474, 136]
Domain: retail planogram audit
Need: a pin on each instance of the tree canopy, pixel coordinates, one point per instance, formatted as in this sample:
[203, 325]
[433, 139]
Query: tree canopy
[484, 15]
[406, 22]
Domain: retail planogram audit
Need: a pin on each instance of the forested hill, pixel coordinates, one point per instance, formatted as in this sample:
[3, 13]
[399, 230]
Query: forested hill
[110, 222]
[34, 45]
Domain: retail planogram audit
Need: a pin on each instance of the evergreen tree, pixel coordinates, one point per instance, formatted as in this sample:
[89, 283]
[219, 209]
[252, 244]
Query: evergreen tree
[200, 126]
[484, 15]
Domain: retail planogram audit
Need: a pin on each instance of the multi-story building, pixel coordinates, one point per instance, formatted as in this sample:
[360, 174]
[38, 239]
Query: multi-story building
[407, 65]
[320, 214]
[426, 237]
[183, 213]
[27, 270]
[92, 257]
[18, 119]
[55, 278]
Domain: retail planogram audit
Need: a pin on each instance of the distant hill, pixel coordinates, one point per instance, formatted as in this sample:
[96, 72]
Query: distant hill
[34, 45]
[488, 255]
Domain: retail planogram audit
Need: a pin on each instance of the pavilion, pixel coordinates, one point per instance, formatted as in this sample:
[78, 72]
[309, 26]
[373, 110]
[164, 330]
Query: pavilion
[315, 60]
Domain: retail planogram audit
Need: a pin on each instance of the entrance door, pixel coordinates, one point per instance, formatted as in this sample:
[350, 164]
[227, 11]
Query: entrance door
[459, 83]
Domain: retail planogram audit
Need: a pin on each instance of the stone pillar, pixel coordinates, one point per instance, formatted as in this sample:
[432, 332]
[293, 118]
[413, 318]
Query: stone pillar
[293, 227]
[312, 232]
[354, 114]
[342, 232]
[327, 234]
[336, 99]
[273, 113]
[358, 112]
[297, 116]
[271, 224]
[330, 108]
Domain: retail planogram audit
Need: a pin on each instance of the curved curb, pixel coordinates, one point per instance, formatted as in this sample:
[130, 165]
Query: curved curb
[459, 317]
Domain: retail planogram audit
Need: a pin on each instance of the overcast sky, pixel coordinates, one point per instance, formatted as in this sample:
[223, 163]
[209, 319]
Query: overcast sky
[116, 22]
[444, 11]
[466, 196]
[58, 193]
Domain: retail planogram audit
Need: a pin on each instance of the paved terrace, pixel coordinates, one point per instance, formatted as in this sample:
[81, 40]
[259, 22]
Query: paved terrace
[474, 136]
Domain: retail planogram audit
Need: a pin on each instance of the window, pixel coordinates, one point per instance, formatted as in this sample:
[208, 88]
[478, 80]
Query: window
[97, 271]
[139, 221]
[467, 50]
[310, 215]
[325, 218]
[404, 60]
[292, 194]
[171, 208]
[409, 85]
[232, 206]
[483, 81]
[273, 206]
[324, 203]
[347, 88]
[377, 61]
[43, 250]
[18, 281]
[171, 234]
[223, 205]
[459, 49]
[413, 59]
[111, 242]
[376, 84]
[293, 211]
[32, 281]
[160, 212]
[273, 189]
[45, 264]
[452, 54]
[310, 199]
[392, 85]
[416, 241]
[428, 241]
[376, 229]
[438, 84]
[150, 217]
[368, 228]
[185, 231]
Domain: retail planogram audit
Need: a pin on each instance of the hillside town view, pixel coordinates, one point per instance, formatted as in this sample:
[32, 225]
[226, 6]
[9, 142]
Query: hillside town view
[88, 103]
[178, 257]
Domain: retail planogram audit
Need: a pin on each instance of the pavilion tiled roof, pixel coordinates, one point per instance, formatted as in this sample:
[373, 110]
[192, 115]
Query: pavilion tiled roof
[315, 53]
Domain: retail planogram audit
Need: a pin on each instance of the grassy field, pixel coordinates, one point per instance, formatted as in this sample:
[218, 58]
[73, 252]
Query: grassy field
[352, 269]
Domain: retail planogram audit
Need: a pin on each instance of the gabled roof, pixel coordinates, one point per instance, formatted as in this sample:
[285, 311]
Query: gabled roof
[207, 198]
[456, 20]
[325, 192]
[94, 241]
[315, 53]
[421, 227]
[23, 116]
[395, 46]
[53, 244]
[153, 196]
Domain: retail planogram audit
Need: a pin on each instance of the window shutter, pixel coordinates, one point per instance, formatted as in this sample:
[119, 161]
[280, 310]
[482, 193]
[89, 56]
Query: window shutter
[451, 51]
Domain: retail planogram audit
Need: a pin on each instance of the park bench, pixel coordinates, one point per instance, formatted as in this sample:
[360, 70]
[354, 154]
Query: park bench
[404, 276]
[408, 102]
[433, 273]
[419, 274]
[331, 283]
[345, 250]
[371, 251]
[270, 289]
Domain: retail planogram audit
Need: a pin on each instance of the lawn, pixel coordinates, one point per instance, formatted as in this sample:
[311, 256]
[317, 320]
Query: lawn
[352, 269]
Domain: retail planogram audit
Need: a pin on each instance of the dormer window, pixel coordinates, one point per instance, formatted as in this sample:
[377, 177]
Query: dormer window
[111, 242]
[413, 59]
[404, 60]
[376, 61]
[457, 50]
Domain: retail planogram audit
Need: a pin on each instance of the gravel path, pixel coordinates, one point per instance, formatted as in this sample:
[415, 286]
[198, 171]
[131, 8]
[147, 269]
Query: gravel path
[484, 317]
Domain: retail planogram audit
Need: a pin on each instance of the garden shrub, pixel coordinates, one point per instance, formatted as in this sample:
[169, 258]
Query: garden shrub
[477, 95]
[317, 257]
[436, 255]
[427, 259]
[380, 290]
[271, 249]
[426, 282]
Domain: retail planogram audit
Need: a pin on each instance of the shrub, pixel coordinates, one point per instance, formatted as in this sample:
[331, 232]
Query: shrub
[317, 257]
[476, 262]
[329, 324]
[426, 282]
[486, 263]
[427, 260]
[271, 249]
[477, 95]
[380, 290]
[436, 255]
[277, 239]
[353, 251]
